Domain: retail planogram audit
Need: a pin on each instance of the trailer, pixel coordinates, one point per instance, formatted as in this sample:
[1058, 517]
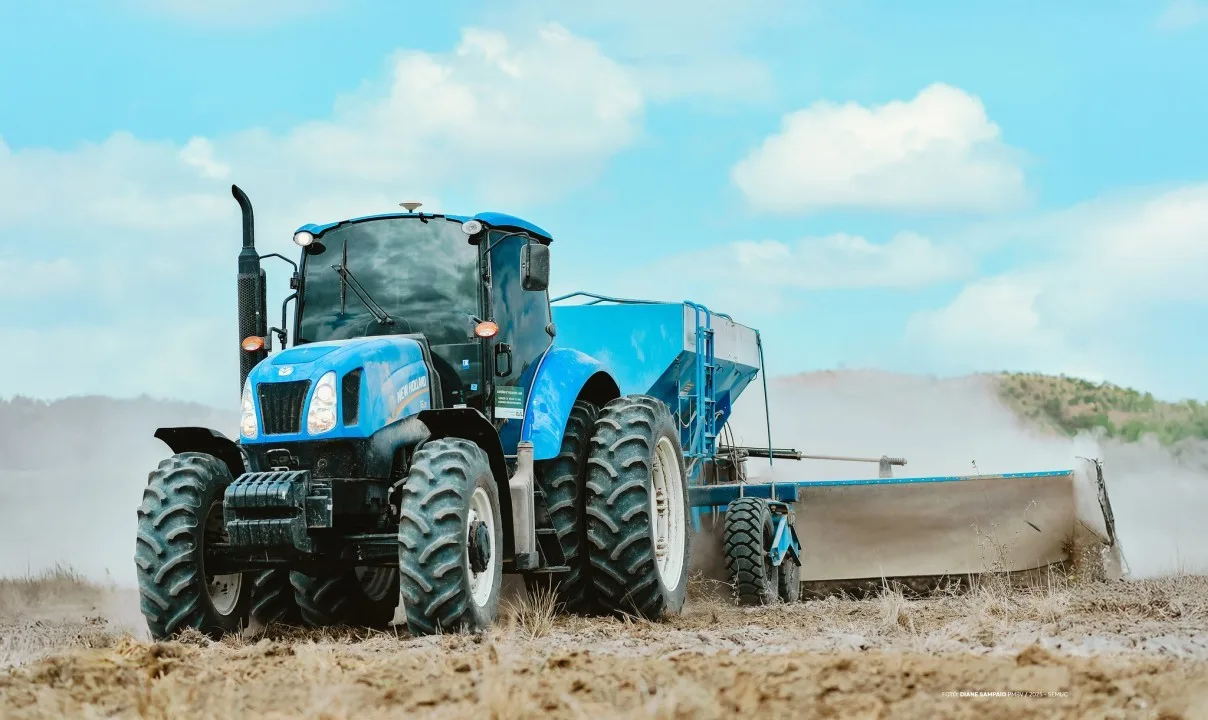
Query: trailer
[774, 536]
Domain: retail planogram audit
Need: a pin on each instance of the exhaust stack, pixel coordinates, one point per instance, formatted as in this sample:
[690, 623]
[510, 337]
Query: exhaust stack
[253, 301]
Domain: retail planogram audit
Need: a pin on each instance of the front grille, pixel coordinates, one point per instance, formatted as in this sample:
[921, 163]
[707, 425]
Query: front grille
[281, 406]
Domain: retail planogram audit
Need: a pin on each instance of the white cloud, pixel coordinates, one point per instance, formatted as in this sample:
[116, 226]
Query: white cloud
[1105, 269]
[937, 151]
[1182, 14]
[151, 226]
[236, 13]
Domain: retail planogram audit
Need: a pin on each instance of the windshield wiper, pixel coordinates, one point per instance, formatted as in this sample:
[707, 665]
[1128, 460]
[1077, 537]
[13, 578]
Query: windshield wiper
[348, 279]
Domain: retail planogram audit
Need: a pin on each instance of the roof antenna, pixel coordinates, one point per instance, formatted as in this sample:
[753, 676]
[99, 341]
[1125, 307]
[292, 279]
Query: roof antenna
[410, 206]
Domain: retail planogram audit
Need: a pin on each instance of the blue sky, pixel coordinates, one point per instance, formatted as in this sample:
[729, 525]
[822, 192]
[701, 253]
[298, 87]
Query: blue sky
[938, 187]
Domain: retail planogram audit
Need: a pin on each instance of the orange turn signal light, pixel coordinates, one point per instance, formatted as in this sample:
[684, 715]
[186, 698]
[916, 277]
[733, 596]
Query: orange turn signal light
[486, 329]
[252, 343]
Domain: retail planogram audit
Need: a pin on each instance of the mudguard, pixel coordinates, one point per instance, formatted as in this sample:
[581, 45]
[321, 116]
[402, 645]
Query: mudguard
[563, 376]
[205, 440]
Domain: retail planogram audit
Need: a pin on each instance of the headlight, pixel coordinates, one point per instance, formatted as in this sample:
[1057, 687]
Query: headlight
[471, 227]
[322, 414]
[303, 238]
[247, 417]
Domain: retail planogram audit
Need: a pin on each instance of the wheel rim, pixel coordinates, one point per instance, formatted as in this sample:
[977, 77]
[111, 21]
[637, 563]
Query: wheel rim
[376, 582]
[667, 522]
[222, 589]
[481, 584]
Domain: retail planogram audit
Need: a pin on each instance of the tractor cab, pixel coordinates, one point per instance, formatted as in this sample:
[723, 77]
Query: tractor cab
[473, 287]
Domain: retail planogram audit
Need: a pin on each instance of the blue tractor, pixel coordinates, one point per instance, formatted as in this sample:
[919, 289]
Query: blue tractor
[416, 434]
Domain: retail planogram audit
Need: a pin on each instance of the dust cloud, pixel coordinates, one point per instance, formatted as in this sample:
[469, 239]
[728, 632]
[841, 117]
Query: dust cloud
[72, 474]
[958, 426]
[72, 471]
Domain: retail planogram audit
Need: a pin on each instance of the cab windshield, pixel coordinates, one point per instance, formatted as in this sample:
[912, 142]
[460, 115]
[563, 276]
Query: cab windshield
[390, 276]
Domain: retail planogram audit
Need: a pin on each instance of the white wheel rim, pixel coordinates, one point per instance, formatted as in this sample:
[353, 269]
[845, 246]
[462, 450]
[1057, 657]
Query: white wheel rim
[481, 584]
[222, 589]
[667, 521]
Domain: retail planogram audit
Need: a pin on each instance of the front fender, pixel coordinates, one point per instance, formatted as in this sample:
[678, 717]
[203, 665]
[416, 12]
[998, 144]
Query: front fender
[205, 440]
[564, 376]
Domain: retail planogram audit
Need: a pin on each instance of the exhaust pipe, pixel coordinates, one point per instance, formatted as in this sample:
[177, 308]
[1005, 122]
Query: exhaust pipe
[253, 301]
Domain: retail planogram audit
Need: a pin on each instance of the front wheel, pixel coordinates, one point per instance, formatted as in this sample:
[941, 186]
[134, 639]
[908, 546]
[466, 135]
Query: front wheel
[179, 518]
[637, 510]
[450, 537]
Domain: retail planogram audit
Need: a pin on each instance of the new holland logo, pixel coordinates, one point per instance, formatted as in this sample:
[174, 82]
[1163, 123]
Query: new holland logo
[285, 370]
[414, 386]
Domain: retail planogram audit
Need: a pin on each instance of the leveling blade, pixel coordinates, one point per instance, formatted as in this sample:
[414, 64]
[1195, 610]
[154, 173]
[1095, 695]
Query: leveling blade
[858, 534]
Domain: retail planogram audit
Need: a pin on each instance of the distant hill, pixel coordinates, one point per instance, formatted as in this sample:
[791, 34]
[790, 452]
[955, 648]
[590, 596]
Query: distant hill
[1067, 405]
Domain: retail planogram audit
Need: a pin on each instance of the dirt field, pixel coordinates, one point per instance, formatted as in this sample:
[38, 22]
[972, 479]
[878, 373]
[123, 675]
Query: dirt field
[1127, 649]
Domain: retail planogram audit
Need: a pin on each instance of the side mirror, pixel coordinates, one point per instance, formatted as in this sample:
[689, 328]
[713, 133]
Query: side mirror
[534, 267]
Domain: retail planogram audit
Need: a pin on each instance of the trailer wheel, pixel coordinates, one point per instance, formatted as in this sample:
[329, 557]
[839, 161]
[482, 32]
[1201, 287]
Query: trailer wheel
[790, 580]
[450, 536]
[180, 515]
[747, 537]
[273, 600]
[637, 510]
[562, 480]
[360, 596]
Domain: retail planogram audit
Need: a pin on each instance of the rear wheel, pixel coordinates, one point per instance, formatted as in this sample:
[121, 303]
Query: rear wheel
[450, 537]
[637, 510]
[180, 516]
[362, 596]
[748, 537]
[562, 481]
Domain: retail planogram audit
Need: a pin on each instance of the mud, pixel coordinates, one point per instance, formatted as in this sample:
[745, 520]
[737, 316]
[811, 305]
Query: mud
[1125, 649]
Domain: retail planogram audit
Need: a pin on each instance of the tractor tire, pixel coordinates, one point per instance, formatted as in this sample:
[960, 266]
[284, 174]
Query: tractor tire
[790, 580]
[450, 537]
[273, 600]
[181, 513]
[357, 597]
[562, 481]
[639, 559]
[746, 539]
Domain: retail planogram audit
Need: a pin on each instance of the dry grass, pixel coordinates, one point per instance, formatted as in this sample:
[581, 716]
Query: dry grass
[54, 609]
[532, 615]
[46, 588]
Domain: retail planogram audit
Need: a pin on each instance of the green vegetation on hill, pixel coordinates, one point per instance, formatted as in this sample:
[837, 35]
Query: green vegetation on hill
[1071, 404]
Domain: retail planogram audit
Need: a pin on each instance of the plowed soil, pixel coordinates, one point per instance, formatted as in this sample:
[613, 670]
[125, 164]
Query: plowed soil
[1122, 649]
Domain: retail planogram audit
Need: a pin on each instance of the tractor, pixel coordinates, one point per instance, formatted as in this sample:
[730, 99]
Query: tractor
[415, 435]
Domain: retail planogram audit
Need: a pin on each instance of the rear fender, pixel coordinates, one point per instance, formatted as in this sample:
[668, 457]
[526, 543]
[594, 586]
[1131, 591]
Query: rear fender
[564, 376]
[206, 440]
[470, 424]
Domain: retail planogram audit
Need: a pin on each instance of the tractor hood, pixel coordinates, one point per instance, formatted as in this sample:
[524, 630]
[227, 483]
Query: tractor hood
[374, 380]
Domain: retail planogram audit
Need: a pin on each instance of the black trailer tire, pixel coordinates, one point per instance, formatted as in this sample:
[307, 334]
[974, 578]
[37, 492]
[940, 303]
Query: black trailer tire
[347, 598]
[746, 539]
[450, 537]
[562, 480]
[790, 580]
[273, 601]
[639, 560]
[180, 514]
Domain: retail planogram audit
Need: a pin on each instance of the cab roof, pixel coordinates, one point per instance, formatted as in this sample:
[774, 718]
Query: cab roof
[501, 221]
